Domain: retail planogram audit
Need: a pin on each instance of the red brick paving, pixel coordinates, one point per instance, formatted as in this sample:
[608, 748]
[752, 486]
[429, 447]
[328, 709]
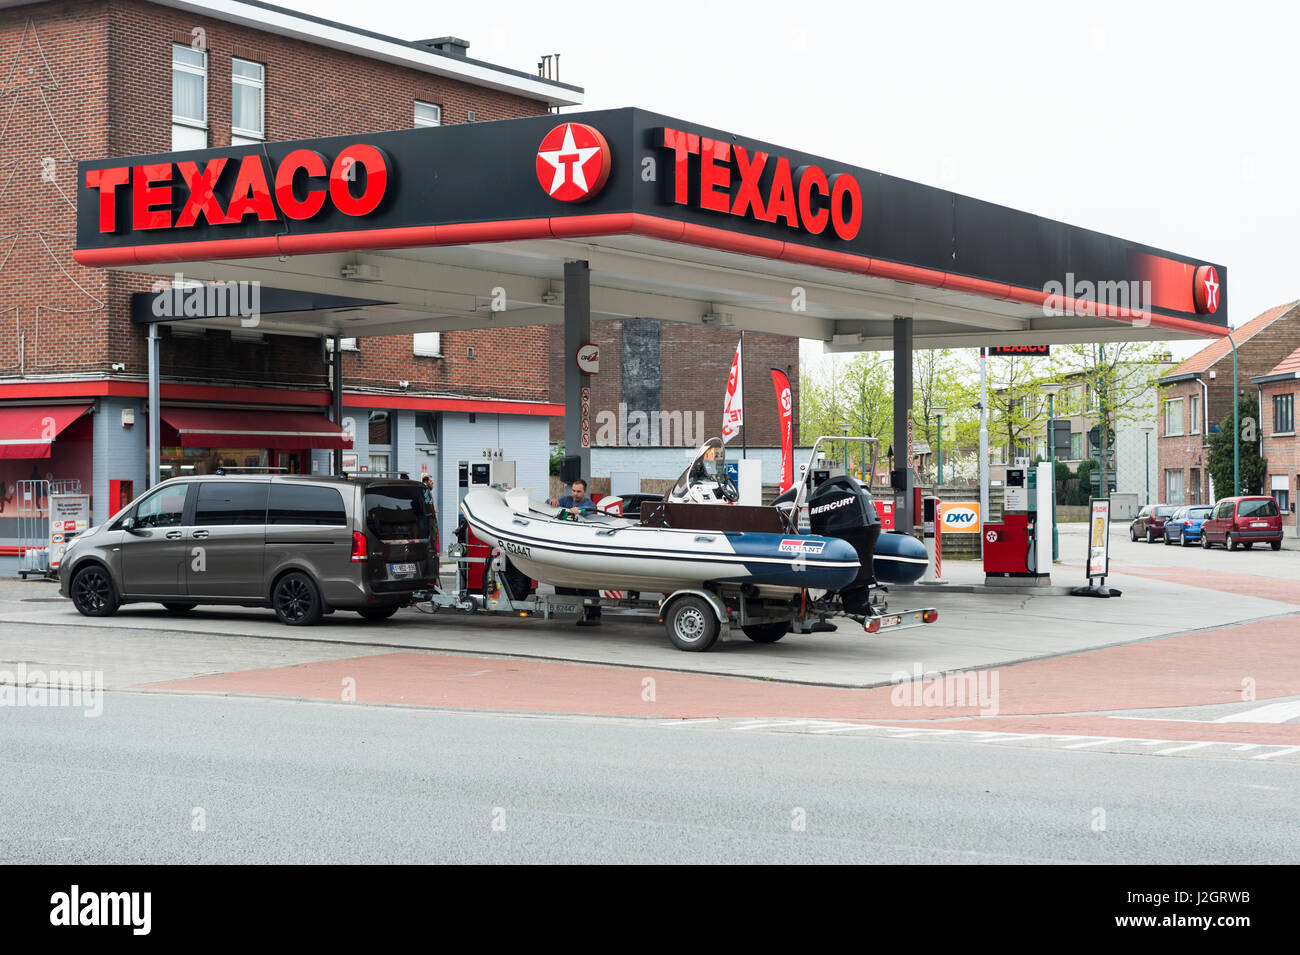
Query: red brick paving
[1269, 588]
[1057, 695]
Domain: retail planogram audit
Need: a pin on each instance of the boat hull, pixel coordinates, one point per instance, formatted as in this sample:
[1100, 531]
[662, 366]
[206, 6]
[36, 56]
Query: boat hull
[899, 559]
[620, 555]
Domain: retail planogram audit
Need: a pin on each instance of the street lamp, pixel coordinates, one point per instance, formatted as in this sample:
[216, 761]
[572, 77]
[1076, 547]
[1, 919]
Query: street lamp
[1050, 389]
[1146, 447]
[845, 429]
[939, 412]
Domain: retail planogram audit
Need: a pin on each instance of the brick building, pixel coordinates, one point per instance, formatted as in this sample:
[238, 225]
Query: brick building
[660, 389]
[88, 79]
[1280, 445]
[1197, 395]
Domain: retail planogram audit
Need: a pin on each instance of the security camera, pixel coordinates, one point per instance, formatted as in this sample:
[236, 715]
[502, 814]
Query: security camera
[119, 366]
[404, 385]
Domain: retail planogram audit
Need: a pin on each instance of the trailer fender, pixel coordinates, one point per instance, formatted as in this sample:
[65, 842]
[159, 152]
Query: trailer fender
[715, 602]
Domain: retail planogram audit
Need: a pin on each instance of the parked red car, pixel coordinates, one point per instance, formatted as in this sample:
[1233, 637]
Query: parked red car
[1150, 522]
[1243, 521]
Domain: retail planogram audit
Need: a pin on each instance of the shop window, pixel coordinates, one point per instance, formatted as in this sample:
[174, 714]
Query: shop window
[426, 427]
[247, 102]
[231, 502]
[305, 504]
[427, 114]
[380, 428]
[427, 344]
[189, 97]
[1283, 414]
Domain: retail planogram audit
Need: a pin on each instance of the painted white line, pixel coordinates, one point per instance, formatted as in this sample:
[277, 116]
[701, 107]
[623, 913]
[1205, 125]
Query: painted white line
[1272, 713]
[771, 724]
[1278, 752]
[1245, 746]
[1154, 742]
[1097, 742]
[1181, 749]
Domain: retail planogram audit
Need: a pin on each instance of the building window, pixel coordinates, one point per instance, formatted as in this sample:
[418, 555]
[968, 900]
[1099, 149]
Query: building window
[1195, 487]
[1194, 414]
[1174, 487]
[345, 344]
[1076, 446]
[247, 102]
[1173, 417]
[427, 344]
[380, 428]
[1281, 491]
[427, 114]
[1284, 414]
[189, 97]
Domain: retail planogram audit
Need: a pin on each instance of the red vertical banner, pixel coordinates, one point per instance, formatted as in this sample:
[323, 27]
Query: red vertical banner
[785, 407]
[733, 403]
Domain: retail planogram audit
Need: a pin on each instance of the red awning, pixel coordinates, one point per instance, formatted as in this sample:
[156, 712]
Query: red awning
[29, 431]
[281, 430]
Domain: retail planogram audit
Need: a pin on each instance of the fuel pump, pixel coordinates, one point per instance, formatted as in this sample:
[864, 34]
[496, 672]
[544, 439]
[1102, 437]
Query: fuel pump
[1014, 547]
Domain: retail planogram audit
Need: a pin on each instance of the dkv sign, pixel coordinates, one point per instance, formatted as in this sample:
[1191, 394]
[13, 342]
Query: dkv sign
[960, 518]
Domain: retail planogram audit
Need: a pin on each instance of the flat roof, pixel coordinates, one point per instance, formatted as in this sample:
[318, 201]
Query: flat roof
[468, 226]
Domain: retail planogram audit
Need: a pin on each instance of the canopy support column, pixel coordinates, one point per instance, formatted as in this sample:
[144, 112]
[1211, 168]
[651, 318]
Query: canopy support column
[155, 402]
[903, 479]
[577, 332]
[336, 395]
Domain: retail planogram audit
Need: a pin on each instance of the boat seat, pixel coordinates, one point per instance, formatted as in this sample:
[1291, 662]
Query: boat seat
[754, 519]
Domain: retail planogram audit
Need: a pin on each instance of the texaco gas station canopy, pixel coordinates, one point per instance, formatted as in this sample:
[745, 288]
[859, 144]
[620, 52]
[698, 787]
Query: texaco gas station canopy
[489, 225]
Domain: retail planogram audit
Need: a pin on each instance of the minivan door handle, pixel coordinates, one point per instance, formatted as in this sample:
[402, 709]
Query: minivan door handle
[198, 535]
[174, 535]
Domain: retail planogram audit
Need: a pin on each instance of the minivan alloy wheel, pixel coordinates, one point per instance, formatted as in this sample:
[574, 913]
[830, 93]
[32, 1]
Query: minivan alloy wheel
[92, 592]
[296, 600]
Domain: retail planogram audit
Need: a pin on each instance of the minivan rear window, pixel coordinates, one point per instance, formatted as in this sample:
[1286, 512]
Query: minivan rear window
[396, 511]
[1264, 508]
[306, 504]
[1199, 513]
[1165, 511]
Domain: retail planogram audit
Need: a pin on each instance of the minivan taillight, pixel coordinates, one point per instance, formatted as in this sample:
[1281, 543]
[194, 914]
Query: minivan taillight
[358, 547]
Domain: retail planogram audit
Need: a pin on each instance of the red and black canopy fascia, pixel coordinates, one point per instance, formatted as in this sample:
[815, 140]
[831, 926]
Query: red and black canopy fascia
[663, 178]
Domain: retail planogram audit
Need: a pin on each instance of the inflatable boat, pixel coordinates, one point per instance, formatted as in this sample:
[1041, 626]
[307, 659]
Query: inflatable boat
[682, 545]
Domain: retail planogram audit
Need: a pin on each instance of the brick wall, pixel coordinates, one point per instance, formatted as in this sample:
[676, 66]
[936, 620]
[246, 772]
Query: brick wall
[92, 79]
[1256, 356]
[694, 362]
[1282, 451]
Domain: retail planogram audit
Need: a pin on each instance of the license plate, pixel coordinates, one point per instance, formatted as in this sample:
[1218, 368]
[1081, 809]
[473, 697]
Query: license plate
[401, 570]
[1259, 523]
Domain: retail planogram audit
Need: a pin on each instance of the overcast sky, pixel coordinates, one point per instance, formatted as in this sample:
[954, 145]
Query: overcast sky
[1172, 124]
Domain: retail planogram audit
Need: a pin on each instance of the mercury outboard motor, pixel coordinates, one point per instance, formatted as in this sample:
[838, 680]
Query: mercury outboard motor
[842, 507]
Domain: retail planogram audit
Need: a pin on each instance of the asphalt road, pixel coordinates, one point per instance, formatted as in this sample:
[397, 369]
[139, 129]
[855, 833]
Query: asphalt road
[173, 778]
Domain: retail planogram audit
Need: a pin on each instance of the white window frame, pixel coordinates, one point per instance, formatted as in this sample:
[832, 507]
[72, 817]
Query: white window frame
[240, 136]
[427, 344]
[188, 121]
[1169, 406]
[1193, 423]
[425, 124]
[1169, 489]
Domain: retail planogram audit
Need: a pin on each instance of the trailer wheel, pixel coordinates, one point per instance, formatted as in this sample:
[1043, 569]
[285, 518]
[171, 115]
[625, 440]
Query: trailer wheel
[692, 623]
[767, 632]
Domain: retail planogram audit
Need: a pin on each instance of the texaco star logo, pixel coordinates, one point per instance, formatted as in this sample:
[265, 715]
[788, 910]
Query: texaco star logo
[991, 537]
[1206, 290]
[573, 162]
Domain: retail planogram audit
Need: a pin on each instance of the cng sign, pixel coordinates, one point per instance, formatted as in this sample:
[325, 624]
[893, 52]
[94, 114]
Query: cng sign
[960, 517]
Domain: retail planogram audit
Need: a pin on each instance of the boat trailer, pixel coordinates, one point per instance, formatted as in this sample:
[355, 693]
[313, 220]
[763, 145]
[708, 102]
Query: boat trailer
[694, 617]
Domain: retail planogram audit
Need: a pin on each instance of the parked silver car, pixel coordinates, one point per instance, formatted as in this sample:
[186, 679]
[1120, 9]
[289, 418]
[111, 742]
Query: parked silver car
[304, 546]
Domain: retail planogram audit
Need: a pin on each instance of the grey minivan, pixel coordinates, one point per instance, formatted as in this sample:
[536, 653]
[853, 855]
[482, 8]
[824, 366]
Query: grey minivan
[304, 546]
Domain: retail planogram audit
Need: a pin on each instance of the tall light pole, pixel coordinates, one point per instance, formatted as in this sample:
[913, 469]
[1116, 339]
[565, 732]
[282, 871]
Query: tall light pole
[1050, 389]
[1146, 433]
[939, 412]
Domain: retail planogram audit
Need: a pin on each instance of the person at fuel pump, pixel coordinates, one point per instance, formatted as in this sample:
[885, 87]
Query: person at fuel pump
[575, 503]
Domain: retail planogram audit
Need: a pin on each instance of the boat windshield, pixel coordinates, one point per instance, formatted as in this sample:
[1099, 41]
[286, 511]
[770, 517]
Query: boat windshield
[705, 480]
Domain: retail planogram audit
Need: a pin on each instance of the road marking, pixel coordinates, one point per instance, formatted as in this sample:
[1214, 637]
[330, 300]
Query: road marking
[1181, 749]
[1272, 713]
[1245, 746]
[1278, 752]
[1098, 742]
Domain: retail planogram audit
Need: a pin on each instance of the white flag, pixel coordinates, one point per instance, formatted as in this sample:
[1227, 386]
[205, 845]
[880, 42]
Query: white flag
[733, 405]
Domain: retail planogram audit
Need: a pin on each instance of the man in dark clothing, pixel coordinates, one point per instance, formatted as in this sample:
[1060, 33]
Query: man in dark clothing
[577, 502]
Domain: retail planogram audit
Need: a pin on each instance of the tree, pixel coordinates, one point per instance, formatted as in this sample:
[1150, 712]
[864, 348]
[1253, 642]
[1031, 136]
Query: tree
[857, 395]
[1253, 467]
[1013, 413]
[941, 379]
